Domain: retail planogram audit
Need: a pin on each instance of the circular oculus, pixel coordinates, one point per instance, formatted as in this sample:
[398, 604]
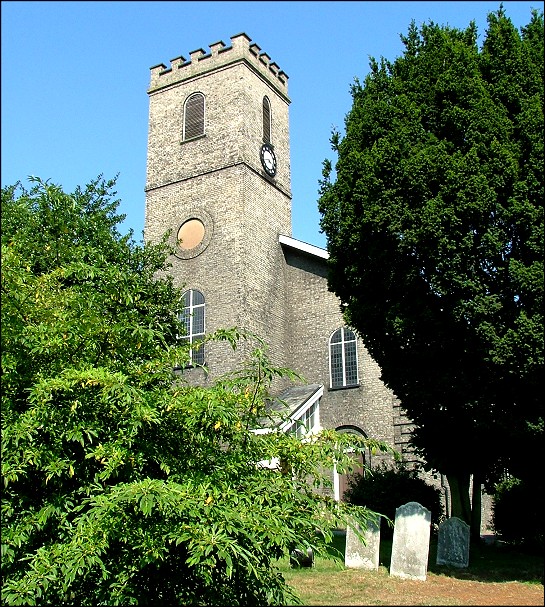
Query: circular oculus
[190, 234]
[193, 234]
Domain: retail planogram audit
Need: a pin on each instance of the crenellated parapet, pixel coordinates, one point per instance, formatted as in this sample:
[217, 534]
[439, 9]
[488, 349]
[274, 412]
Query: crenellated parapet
[241, 49]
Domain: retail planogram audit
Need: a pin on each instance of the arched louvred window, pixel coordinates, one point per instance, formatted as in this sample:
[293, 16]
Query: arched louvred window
[192, 316]
[194, 116]
[266, 120]
[343, 358]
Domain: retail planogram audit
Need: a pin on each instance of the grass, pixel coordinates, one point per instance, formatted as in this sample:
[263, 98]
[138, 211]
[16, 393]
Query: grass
[329, 582]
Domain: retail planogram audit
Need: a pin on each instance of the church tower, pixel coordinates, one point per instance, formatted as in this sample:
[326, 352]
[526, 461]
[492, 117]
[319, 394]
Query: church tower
[218, 177]
[218, 180]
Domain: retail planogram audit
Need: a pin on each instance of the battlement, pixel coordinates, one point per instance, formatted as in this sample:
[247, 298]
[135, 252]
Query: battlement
[219, 56]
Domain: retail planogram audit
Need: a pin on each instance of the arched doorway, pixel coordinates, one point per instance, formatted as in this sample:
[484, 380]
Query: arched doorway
[341, 481]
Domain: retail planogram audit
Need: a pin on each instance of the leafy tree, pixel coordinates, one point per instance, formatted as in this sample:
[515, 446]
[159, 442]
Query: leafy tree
[122, 484]
[434, 223]
[387, 487]
[525, 531]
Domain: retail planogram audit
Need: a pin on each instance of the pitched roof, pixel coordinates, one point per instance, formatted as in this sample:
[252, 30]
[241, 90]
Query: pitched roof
[299, 245]
[290, 404]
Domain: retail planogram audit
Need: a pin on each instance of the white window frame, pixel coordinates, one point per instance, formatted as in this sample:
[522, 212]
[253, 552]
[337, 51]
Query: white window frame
[343, 343]
[293, 419]
[191, 336]
[300, 413]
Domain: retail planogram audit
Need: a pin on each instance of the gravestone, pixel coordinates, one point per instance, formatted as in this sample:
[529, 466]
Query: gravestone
[300, 558]
[453, 543]
[411, 543]
[358, 555]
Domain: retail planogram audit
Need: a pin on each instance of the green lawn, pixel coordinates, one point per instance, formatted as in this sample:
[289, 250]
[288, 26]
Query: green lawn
[487, 563]
[329, 582]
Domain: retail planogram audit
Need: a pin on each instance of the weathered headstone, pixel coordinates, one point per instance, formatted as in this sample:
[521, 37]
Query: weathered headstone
[453, 543]
[300, 558]
[411, 543]
[358, 555]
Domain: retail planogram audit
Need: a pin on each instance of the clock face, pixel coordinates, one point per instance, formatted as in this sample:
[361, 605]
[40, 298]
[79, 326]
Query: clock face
[268, 159]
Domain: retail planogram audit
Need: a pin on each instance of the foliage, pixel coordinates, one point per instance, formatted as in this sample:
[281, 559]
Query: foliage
[385, 488]
[434, 225]
[517, 513]
[122, 484]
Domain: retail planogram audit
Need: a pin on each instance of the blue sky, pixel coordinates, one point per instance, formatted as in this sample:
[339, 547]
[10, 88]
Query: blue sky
[75, 74]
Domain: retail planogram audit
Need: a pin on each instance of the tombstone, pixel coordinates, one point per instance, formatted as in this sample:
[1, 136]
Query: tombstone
[298, 558]
[453, 543]
[411, 543]
[359, 555]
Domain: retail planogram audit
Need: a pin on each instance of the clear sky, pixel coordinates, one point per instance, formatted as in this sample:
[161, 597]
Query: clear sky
[75, 76]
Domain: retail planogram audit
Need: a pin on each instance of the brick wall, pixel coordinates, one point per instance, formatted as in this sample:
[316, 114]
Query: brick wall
[248, 279]
[219, 179]
[314, 315]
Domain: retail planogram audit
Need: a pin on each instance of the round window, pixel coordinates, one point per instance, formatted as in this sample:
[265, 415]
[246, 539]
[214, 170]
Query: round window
[190, 234]
[193, 234]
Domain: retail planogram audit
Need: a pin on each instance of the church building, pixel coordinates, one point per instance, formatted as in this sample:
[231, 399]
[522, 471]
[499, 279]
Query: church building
[218, 178]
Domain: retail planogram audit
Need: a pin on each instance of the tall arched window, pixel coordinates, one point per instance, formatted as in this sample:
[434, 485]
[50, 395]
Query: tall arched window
[343, 358]
[266, 120]
[193, 116]
[192, 316]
